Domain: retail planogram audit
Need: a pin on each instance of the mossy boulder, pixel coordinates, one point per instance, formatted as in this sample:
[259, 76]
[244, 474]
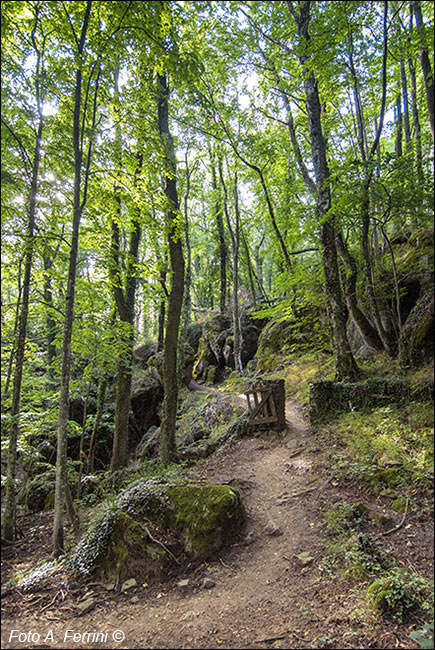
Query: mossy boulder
[117, 546]
[211, 345]
[271, 342]
[416, 344]
[142, 353]
[39, 493]
[207, 517]
[146, 397]
[121, 540]
[397, 592]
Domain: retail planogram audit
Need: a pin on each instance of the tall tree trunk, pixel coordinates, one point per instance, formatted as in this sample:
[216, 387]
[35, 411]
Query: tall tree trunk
[414, 106]
[79, 202]
[187, 302]
[221, 236]
[9, 520]
[249, 267]
[14, 337]
[124, 293]
[10, 505]
[345, 366]
[425, 63]
[235, 245]
[405, 99]
[175, 302]
[399, 125]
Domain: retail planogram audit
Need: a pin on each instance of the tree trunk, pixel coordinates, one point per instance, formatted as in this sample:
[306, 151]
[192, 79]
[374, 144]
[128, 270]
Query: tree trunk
[10, 505]
[221, 235]
[345, 366]
[365, 244]
[405, 98]
[368, 332]
[61, 485]
[235, 245]
[14, 338]
[399, 125]
[425, 63]
[175, 302]
[50, 322]
[249, 267]
[9, 520]
[124, 294]
[122, 407]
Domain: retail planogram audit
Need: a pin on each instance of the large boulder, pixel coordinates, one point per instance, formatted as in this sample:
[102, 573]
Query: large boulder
[126, 538]
[416, 343]
[207, 517]
[146, 397]
[211, 345]
[216, 346]
[142, 353]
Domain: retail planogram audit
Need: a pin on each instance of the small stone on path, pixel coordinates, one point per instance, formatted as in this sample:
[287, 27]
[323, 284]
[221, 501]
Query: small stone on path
[304, 558]
[208, 583]
[86, 606]
[128, 584]
[272, 529]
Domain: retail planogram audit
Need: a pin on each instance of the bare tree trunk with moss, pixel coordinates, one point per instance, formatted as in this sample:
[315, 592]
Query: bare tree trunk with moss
[175, 301]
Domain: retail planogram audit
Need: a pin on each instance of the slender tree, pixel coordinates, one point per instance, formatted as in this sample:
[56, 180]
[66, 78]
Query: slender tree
[175, 299]
[345, 366]
[81, 178]
[10, 504]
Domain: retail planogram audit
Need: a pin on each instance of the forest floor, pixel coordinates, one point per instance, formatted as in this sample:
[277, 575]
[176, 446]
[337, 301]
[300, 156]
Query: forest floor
[259, 595]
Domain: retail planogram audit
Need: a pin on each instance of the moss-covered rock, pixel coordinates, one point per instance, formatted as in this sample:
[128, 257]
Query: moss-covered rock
[117, 546]
[210, 350]
[416, 344]
[198, 520]
[146, 397]
[397, 592]
[39, 492]
[206, 517]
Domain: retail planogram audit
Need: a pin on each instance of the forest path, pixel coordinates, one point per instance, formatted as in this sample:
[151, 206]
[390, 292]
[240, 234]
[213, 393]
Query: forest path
[260, 593]
[262, 596]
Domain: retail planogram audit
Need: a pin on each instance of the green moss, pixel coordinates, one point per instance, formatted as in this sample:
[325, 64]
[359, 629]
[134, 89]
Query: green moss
[206, 516]
[117, 546]
[377, 595]
[398, 592]
[399, 505]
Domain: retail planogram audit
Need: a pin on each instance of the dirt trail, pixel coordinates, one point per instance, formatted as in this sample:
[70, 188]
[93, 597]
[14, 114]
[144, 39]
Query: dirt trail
[263, 595]
[260, 587]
